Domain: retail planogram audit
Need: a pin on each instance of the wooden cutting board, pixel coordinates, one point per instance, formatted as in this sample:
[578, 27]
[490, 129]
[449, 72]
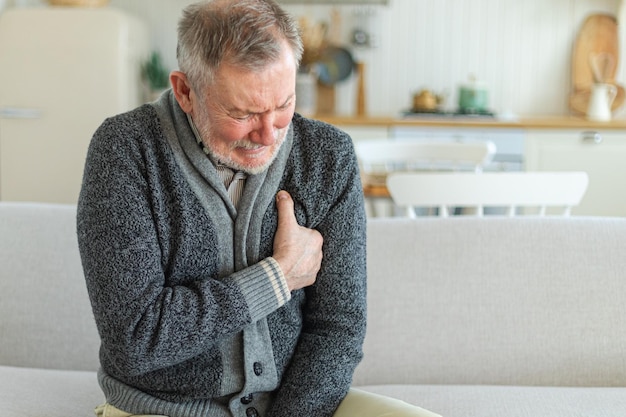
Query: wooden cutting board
[598, 37]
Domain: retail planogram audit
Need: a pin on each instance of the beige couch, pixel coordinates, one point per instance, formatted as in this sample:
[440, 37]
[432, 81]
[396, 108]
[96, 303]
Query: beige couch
[468, 317]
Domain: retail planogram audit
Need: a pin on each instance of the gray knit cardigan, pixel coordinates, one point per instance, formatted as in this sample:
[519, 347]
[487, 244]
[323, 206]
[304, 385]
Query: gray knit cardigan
[192, 319]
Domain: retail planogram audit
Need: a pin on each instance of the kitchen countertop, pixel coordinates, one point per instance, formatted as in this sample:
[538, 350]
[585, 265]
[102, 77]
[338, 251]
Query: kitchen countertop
[530, 122]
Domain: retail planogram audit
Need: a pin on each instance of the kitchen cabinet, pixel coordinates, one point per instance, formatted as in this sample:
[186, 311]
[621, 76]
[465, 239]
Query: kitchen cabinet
[360, 133]
[600, 153]
[509, 141]
[540, 143]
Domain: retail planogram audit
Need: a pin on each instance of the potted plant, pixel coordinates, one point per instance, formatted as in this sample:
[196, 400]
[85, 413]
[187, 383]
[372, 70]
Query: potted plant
[155, 75]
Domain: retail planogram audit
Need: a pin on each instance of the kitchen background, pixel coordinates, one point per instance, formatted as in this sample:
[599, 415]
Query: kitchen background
[521, 50]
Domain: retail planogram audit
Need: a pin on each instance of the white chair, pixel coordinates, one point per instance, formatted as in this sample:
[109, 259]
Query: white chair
[390, 155]
[378, 158]
[517, 192]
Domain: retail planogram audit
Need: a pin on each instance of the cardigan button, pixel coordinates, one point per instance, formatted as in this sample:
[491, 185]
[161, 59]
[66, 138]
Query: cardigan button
[257, 367]
[251, 412]
[247, 399]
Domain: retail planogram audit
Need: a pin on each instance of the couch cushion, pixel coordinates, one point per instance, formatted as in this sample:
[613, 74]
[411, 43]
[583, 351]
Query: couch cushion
[509, 401]
[26, 392]
[500, 301]
[45, 315]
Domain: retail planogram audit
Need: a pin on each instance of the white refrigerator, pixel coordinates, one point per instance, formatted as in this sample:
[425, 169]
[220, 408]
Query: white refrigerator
[63, 70]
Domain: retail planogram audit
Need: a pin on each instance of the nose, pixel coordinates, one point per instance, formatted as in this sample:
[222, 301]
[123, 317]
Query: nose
[264, 131]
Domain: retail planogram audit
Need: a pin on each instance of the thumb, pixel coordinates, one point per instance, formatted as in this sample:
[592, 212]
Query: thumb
[284, 205]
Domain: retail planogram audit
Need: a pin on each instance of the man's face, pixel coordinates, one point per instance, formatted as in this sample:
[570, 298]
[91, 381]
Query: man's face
[243, 117]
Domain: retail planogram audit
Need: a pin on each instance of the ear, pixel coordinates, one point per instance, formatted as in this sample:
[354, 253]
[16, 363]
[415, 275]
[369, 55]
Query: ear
[182, 90]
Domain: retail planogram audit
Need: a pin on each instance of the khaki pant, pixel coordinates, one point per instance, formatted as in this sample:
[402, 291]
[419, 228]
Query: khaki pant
[107, 410]
[360, 403]
[356, 404]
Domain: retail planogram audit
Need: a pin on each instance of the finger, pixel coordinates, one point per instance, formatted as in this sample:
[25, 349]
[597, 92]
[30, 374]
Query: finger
[284, 204]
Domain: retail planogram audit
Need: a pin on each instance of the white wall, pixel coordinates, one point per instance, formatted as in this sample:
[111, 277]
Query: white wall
[520, 48]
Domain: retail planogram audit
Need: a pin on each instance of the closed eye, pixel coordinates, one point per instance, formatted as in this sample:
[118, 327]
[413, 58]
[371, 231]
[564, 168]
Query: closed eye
[287, 103]
[242, 116]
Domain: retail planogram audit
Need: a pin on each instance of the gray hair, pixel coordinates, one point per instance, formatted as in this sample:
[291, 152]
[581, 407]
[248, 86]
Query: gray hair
[246, 33]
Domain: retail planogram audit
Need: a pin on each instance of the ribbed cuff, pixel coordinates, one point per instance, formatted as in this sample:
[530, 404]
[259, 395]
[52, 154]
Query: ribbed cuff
[264, 287]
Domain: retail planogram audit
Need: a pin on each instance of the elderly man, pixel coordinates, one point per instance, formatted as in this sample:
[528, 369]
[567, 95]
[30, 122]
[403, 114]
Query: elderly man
[223, 236]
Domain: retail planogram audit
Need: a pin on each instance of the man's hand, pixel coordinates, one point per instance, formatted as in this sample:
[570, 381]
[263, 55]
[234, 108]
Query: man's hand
[297, 250]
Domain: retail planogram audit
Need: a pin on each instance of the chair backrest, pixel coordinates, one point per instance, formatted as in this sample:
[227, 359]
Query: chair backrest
[510, 190]
[389, 155]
